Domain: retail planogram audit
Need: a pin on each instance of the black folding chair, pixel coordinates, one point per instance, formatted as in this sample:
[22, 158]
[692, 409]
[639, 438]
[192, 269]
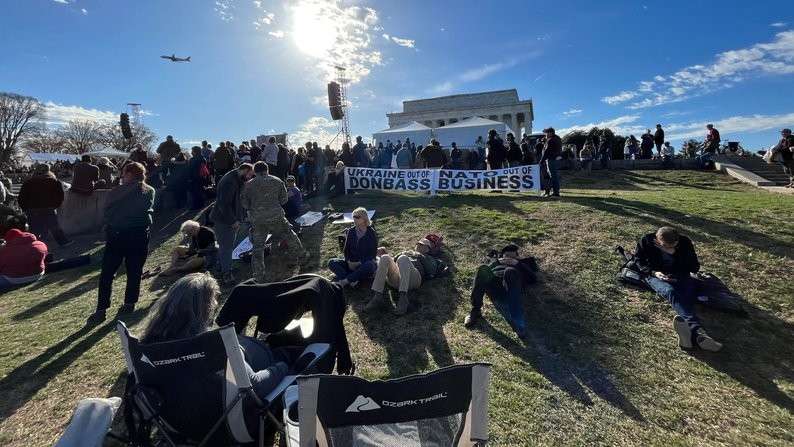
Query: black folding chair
[443, 408]
[196, 391]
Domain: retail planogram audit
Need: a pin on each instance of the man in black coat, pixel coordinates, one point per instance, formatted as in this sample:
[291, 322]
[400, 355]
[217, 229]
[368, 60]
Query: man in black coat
[40, 197]
[668, 259]
[227, 213]
[658, 139]
[550, 160]
[496, 151]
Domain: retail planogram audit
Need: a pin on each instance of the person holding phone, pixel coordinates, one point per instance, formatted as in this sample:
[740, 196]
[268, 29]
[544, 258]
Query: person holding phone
[668, 259]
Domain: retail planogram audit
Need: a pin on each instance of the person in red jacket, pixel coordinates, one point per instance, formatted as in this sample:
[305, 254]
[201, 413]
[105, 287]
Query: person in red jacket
[21, 257]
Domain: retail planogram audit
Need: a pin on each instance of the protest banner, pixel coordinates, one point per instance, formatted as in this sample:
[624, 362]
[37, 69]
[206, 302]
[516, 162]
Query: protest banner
[519, 178]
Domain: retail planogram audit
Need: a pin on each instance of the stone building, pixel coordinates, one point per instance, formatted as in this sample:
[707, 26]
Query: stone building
[501, 105]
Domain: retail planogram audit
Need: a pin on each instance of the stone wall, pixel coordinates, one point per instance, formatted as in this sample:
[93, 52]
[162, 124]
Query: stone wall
[474, 100]
[81, 213]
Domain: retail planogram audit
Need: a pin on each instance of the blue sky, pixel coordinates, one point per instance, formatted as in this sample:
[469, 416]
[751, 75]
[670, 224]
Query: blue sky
[261, 66]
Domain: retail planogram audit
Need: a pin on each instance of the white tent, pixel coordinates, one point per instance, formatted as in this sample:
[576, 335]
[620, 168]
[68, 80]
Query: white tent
[465, 132]
[30, 158]
[417, 132]
[109, 152]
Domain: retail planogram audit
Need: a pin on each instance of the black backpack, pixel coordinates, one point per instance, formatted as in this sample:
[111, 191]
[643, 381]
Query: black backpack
[629, 273]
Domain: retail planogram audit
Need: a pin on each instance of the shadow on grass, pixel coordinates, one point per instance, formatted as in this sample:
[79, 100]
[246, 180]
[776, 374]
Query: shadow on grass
[22, 383]
[554, 326]
[658, 216]
[86, 286]
[411, 340]
[757, 352]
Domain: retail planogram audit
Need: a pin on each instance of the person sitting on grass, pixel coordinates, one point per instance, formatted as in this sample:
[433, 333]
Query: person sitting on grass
[406, 271]
[361, 246]
[187, 310]
[294, 205]
[503, 278]
[669, 259]
[200, 253]
[21, 256]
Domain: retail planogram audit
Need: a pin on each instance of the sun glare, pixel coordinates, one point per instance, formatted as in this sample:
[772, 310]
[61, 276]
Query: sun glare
[313, 32]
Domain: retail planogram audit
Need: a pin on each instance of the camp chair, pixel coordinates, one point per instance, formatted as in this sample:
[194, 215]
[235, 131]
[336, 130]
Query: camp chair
[196, 391]
[447, 407]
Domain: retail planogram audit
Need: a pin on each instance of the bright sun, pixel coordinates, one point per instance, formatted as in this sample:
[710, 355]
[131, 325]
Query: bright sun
[313, 32]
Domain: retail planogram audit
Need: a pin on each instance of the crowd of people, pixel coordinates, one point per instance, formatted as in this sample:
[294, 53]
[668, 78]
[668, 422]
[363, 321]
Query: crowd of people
[259, 191]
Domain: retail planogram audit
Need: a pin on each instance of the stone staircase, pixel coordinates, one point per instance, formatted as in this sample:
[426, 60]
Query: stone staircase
[764, 174]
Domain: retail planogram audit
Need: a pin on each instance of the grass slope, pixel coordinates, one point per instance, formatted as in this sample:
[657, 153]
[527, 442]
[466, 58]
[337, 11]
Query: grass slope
[601, 366]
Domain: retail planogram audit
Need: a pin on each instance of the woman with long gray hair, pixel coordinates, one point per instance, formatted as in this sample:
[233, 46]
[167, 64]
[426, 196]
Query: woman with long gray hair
[188, 309]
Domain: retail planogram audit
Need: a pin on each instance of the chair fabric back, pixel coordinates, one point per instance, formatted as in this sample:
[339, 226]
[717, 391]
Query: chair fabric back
[194, 379]
[447, 407]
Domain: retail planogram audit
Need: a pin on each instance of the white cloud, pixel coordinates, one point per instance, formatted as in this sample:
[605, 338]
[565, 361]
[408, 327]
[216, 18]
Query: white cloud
[278, 34]
[317, 128]
[339, 33]
[258, 3]
[729, 68]
[623, 125]
[386, 36]
[726, 126]
[620, 97]
[224, 9]
[63, 2]
[572, 112]
[84, 11]
[266, 19]
[481, 72]
[59, 114]
[408, 43]
[778, 24]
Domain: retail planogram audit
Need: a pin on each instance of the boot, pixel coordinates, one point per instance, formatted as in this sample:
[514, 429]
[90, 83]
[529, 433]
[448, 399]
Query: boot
[376, 301]
[402, 304]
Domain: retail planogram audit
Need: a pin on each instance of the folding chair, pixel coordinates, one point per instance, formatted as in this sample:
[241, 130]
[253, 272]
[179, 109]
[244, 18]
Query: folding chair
[447, 407]
[196, 391]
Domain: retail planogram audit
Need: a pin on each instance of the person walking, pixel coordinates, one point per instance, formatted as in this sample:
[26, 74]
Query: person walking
[552, 152]
[786, 148]
[227, 214]
[263, 198]
[127, 217]
[40, 197]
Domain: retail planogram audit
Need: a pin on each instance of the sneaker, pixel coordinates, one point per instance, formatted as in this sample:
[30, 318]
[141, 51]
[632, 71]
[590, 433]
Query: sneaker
[402, 304]
[546, 194]
[96, 317]
[705, 342]
[471, 319]
[126, 308]
[377, 300]
[684, 333]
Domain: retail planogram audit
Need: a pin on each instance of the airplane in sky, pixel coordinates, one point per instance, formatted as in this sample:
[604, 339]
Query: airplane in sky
[173, 58]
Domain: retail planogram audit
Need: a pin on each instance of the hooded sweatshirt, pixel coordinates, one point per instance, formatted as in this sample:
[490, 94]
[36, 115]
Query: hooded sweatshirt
[22, 257]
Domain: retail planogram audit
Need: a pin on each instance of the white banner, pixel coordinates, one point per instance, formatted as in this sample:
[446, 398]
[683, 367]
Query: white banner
[519, 178]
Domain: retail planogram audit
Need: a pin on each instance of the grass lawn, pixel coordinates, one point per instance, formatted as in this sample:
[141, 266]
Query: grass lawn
[601, 365]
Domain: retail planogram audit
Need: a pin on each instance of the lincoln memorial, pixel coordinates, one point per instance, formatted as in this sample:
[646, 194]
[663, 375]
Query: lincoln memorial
[501, 105]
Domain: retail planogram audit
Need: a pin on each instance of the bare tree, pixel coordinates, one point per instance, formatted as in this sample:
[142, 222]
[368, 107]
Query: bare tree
[18, 116]
[110, 135]
[79, 136]
[42, 139]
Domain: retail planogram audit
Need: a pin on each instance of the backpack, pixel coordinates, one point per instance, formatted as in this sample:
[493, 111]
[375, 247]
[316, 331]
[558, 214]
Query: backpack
[629, 273]
[438, 243]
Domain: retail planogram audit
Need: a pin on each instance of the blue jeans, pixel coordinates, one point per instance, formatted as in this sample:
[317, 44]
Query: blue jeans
[553, 168]
[680, 294]
[510, 289]
[225, 236]
[341, 270]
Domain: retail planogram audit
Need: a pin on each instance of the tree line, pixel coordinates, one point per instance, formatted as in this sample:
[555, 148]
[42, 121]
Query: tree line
[23, 126]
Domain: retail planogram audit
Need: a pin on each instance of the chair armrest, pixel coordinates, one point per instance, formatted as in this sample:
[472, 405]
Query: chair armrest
[311, 355]
[279, 389]
[290, 396]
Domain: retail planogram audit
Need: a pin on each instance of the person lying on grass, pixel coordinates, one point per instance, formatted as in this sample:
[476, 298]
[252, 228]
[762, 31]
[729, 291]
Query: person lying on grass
[361, 245]
[200, 252]
[668, 259]
[187, 310]
[406, 271]
[503, 278]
